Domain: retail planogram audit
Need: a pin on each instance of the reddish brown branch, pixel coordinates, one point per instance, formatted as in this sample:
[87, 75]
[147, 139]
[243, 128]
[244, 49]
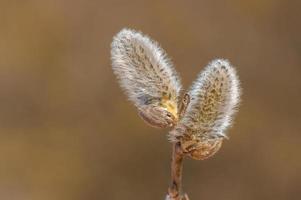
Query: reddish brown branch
[175, 188]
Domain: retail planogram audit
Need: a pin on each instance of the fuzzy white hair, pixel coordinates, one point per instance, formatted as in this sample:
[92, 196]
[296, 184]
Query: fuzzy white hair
[143, 69]
[214, 97]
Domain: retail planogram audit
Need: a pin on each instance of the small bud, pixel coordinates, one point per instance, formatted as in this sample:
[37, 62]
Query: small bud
[157, 116]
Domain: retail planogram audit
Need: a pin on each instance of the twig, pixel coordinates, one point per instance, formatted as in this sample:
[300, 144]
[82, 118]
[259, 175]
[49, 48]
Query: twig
[175, 188]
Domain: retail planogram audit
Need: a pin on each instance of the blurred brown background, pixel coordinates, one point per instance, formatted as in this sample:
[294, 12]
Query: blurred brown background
[68, 132]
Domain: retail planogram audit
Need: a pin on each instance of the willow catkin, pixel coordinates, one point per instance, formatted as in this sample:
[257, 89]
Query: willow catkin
[213, 99]
[147, 77]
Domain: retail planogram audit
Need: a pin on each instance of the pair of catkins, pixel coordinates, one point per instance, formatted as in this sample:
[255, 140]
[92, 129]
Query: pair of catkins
[199, 118]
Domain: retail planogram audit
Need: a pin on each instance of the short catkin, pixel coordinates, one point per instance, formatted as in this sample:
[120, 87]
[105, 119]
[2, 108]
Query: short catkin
[147, 77]
[214, 97]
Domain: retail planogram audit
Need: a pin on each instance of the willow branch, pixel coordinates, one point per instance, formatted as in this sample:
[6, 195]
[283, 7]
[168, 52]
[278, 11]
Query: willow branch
[175, 188]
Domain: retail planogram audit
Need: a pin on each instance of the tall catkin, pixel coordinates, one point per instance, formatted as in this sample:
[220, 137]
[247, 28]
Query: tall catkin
[146, 75]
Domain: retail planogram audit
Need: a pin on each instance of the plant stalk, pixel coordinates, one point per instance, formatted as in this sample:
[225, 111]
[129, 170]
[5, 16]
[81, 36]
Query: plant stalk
[175, 188]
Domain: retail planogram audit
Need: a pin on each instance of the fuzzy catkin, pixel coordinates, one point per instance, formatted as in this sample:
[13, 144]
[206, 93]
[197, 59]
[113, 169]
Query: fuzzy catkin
[143, 69]
[213, 99]
[147, 77]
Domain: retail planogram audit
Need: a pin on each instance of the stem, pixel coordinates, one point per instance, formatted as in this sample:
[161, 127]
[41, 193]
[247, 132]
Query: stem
[175, 188]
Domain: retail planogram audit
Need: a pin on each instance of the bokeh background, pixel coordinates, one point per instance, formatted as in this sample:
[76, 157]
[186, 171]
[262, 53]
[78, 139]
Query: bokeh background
[67, 131]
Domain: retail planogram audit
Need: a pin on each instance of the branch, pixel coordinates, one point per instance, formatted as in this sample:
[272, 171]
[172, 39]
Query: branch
[175, 188]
